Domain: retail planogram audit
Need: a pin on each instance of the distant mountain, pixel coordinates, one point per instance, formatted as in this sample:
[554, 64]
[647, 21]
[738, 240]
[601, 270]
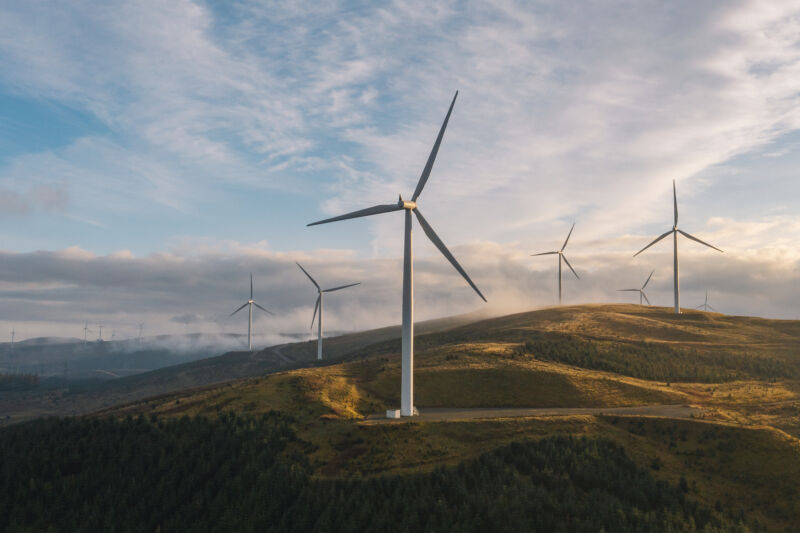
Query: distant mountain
[72, 358]
[43, 341]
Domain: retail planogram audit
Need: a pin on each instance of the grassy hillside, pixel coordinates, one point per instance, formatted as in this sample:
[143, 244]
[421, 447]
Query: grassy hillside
[739, 456]
[85, 397]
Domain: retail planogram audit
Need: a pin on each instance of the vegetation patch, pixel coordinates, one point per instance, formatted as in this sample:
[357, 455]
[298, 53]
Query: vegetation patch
[244, 474]
[656, 361]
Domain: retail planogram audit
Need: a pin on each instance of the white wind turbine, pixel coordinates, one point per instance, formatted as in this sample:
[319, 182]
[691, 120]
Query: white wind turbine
[705, 306]
[675, 232]
[407, 361]
[560, 257]
[250, 303]
[318, 305]
[641, 291]
[85, 331]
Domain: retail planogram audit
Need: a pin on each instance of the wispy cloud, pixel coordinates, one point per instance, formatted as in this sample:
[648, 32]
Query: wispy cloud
[565, 114]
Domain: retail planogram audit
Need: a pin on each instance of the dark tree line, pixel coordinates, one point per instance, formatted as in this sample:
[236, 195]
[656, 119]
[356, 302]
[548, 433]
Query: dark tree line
[240, 474]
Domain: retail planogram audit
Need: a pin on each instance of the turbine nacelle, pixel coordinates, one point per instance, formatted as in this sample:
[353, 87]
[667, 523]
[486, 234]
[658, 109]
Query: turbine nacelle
[402, 204]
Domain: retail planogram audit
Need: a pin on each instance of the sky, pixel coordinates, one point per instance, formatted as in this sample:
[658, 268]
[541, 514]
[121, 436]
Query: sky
[153, 154]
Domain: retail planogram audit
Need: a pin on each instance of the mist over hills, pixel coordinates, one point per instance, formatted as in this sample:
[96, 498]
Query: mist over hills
[72, 358]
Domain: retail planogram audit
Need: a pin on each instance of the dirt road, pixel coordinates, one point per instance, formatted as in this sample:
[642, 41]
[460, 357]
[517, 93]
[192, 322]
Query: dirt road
[445, 414]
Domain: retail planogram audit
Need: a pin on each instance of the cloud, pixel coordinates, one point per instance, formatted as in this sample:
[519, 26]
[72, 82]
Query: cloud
[607, 102]
[563, 115]
[55, 292]
[40, 197]
[186, 319]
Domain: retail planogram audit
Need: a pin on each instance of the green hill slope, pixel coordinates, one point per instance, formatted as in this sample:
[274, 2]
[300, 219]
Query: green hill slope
[738, 373]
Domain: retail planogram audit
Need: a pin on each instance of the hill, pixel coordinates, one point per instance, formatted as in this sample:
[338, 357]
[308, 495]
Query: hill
[734, 452]
[54, 396]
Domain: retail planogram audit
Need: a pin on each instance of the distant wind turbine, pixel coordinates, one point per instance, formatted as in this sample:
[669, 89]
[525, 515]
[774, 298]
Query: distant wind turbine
[141, 327]
[560, 257]
[250, 303]
[407, 361]
[85, 331]
[100, 334]
[675, 232]
[318, 305]
[641, 291]
[705, 306]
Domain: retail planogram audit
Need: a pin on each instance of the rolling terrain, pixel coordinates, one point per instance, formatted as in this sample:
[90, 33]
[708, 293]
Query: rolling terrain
[75, 397]
[704, 402]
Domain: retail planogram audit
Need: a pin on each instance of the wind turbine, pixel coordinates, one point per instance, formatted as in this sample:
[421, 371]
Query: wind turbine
[318, 305]
[641, 291]
[100, 334]
[250, 303]
[141, 327]
[705, 305]
[407, 361]
[560, 257]
[675, 232]
[85, 331]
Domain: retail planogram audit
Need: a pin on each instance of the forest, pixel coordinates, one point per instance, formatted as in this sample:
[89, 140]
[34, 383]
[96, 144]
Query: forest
[238, 473]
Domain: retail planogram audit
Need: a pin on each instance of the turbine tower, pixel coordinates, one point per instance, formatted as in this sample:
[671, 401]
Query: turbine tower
[318, 305]
[85, 331]
[407, 362]
[141, 327]
[705, 306]
[641, 291]
[675, 232]
[250, 303]
[100, 334]
[560, 257]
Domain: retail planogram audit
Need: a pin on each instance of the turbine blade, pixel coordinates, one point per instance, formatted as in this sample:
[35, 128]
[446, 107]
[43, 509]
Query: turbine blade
[265, 310]
[652, 243]
[314, 316]
[309, 275]
[442, 248]
[342, 287]
[648, 279]
[713, 309]
[376, 210]
[544, 253]
[645, 298]
[698, 240]
[630, 290]
[431, 158]
[675, 200]
[242, 307]
[251, 285]
[570, 266]
[699, 306]
[568, 235]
